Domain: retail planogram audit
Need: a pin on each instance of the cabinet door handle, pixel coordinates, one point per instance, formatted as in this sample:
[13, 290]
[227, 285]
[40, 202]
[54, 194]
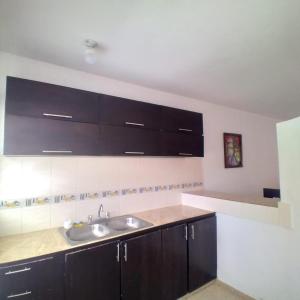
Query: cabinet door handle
[18, 295]
[192, 232]
[57, 151]
[57, 116]
[186, 232]
[118, 252]
[17, 271]
[185, 129]
[135, 152]
[135, 124]
[125, 252]
[185, 154]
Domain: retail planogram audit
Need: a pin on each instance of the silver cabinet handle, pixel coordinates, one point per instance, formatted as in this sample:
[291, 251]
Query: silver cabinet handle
[125, 252]
[135, 124]
[57, 151]
[185, 154]
[118, 252]
[186, 232]
[185, 129]
[17, 271]
[193, 232]
[58, 116]
[19, 295]
[134, 152]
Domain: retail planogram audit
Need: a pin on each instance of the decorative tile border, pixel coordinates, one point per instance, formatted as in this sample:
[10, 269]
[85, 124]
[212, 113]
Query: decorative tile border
[37, 201]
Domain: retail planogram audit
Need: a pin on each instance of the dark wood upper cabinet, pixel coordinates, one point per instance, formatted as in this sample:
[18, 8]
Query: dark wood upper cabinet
[202, 252]
[180, 144]
[93, 273]
[38, 280]
[117, 140]
[43, 100]
[46, 119]
[183, 121]
[174, 267]
[35, 136]
[141, 267]
[129, 113]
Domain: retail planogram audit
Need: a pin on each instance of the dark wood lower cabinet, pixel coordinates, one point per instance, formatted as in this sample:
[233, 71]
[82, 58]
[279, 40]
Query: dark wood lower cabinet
[33, 280]
[174, 252]
[93, 273]
[202, 252]
[163, 264]
[141, 267]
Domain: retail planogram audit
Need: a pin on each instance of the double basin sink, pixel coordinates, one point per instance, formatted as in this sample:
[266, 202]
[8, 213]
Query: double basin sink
[103, 228]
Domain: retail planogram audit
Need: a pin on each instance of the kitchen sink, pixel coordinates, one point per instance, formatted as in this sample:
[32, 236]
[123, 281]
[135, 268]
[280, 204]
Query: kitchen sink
[86, 232]
[103, 228]
[126, 223]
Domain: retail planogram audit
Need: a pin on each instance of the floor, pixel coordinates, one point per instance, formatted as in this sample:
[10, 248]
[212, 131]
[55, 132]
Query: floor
[216, 291]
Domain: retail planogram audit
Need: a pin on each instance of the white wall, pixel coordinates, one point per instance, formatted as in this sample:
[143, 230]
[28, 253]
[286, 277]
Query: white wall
[259, 259]
[259, 133]
[43, 176]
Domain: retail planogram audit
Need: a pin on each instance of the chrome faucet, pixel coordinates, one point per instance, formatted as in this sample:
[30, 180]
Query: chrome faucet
[100, 210]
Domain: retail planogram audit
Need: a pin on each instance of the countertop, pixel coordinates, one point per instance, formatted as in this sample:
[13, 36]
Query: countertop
[50, 241]
[271, 202]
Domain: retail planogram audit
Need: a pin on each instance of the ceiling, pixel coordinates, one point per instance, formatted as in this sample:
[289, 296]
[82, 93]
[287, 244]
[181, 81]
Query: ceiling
[239, 53]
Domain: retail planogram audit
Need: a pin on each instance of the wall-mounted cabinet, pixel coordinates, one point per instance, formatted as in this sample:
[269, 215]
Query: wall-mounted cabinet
[48, 101]
[46, 119]
[129, 113]
[37, 136]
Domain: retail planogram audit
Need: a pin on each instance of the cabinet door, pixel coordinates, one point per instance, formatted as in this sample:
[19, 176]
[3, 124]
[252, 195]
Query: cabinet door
[174, 249]
[34, 136]
[177, 144]
[93, 273]
[129, 113]
[183, 121]
[141, 267]
[35, 280]
[202, 252]
[43, 100]
[116, 140]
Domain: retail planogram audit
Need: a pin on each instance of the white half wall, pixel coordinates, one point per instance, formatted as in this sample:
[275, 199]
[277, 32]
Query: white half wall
[259, 259]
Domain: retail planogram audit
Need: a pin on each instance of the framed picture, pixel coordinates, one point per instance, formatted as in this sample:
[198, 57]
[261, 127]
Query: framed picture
[233, 152]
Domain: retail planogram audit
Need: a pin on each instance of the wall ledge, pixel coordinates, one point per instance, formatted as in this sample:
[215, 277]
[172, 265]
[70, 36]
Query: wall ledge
[279, 215]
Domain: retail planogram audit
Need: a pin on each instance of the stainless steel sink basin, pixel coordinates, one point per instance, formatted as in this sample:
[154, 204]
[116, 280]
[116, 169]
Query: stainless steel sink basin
[86, 232]
[103, 228]
[126, 223]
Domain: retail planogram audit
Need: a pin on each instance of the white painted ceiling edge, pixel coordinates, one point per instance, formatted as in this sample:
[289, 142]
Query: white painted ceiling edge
[241, 54]
[11, 64]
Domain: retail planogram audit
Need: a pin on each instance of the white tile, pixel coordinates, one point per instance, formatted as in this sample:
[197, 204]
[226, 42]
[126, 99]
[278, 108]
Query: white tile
[65, 175]
[36, 172]
[59, 212]
[11, 179]
[90, 207]
[35, 218]
[10, 221]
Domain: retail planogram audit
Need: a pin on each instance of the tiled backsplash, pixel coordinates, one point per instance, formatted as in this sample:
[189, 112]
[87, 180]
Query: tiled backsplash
[65, 198]
[41, 192]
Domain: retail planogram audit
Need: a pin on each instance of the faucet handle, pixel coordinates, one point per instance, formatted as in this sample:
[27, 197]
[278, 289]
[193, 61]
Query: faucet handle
[90, 219]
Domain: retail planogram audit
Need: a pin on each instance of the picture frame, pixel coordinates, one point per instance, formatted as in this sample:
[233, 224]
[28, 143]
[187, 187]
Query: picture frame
[233, 150]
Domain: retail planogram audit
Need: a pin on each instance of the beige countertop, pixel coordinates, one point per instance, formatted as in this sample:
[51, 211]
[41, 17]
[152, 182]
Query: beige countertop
[271, 202]
[45, 242]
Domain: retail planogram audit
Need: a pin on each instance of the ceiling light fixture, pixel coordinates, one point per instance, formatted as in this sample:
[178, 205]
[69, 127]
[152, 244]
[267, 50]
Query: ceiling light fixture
[90, 51]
